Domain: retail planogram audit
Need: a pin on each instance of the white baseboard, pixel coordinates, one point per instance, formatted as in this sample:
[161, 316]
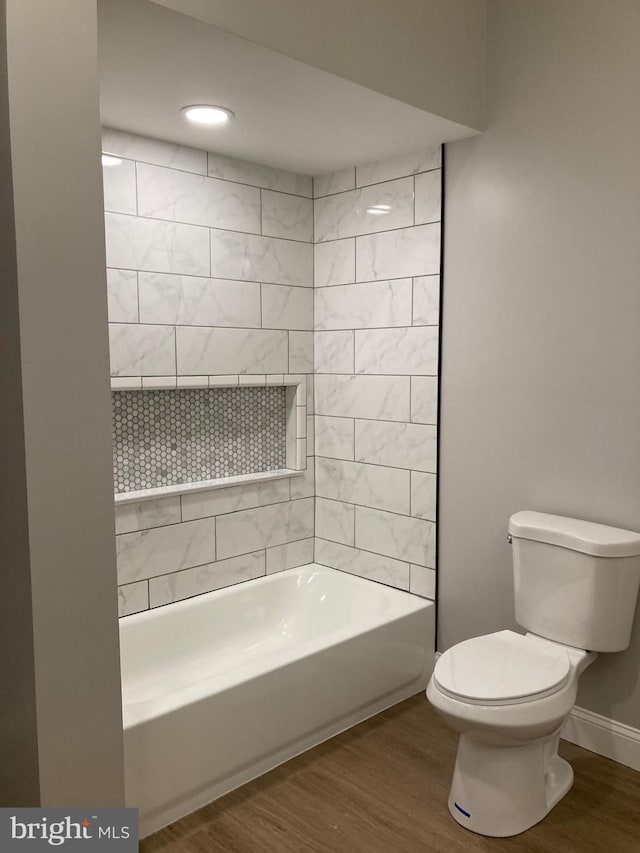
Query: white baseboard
[603, 736]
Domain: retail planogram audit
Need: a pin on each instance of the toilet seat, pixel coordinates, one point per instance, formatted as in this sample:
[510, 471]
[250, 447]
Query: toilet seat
[503, 668]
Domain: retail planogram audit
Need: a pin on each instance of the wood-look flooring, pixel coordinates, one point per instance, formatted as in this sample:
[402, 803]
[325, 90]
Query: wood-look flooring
[382, 787]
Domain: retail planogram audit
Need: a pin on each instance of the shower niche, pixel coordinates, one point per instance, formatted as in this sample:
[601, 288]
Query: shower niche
[171, 439]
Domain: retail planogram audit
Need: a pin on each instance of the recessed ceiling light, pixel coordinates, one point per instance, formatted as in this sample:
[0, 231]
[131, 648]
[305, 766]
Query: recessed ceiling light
[206, 114]
[379, 209]
[110, 159]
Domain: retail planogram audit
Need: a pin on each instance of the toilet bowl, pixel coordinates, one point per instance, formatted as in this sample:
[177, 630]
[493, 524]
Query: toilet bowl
[508, 696]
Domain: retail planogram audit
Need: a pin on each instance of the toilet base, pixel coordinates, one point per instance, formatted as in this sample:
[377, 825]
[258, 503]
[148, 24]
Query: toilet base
[504, 790]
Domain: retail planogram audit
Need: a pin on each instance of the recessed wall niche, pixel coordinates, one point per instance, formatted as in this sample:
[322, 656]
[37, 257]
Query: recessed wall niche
[178, 436]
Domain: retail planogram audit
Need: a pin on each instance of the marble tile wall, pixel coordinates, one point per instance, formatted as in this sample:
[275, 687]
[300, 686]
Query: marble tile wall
[376, 315]
[210, 273]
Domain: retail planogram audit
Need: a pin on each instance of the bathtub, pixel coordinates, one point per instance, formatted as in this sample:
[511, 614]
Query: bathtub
[221, 688]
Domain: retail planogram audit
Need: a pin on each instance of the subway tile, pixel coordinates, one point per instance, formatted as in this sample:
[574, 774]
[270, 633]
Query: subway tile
[206, 350]
[155, 151]
[364, 306]
[197, 200]
[333, 352]
[334, 262]
[364, 564]
[334, 437]
[122, 294]
[220, 381]
[134, 242]
[424, 399]
[141, 350]
[423, 582]
[309, 395]
[397, 351]
[162, 550]
[398, 445]
[335, 521]
[428, 197]
[257, 175]
[426, 300]
[159, 382]
[126, 383]
[398, 167]
[399, 254]
[119, 187]
[397, 536]
[310, 436]
[334, 182]
[301, 456]
[192, 382]
[303, 484]
[377, 397]
[133, 598]
[288, 216]
[250, 257]
[190, 582]
[377, 208]
[285, 307]
[289, 556]
[234, 498]
[146, 514]
[301, 421]
[301, 352]
[190, 300]
[368, 485]
[252, 529]
[423, 495]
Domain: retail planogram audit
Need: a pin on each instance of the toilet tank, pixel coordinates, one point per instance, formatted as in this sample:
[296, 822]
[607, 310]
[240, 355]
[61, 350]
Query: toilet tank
[575, 582]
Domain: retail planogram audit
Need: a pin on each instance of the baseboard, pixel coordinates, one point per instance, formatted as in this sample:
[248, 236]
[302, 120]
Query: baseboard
[603, 736]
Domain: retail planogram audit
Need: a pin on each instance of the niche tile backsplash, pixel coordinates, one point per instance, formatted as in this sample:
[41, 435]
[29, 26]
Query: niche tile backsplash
[164, 438]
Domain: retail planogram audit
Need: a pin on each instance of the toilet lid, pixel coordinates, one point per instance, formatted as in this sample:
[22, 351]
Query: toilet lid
[502, 667]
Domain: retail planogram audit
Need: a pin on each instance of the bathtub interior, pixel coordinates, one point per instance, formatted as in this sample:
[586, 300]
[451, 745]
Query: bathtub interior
[189, 647]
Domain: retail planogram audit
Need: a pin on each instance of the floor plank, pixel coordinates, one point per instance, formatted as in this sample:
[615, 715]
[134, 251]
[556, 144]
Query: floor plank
[382, 787]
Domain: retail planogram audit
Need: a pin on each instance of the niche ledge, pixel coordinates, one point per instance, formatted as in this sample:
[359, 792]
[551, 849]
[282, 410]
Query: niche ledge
[121, 498]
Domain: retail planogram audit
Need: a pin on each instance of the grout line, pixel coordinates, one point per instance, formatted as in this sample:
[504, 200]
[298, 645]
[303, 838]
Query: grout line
[206, 174]
[374, 183]
[377, 553]
[414, 199]
[212, 278]
[216, 227]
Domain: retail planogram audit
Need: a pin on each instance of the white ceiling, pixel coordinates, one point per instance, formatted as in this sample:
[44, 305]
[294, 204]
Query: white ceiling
[288, 114]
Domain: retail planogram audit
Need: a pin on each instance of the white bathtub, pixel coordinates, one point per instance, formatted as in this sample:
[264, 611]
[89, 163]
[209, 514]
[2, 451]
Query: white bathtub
[223, 687]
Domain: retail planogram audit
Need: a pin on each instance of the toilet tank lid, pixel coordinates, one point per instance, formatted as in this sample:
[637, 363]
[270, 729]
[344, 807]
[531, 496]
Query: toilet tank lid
[600, 540]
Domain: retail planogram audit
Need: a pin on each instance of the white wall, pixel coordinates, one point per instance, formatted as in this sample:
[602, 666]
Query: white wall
[541, 359]
[377, 265]
[59, 550]
[429, 53]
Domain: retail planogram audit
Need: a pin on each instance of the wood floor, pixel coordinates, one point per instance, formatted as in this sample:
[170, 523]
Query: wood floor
[382, 788]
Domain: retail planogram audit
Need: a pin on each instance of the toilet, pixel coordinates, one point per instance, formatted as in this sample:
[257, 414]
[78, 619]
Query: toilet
[509, 694]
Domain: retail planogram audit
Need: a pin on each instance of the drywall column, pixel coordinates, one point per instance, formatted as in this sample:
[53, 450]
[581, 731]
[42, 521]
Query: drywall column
[541, 351]
[61, 699]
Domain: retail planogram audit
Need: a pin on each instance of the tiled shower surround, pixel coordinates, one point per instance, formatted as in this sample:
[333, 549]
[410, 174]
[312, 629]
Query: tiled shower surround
[163, 438]
[377, 265]
[211, 274]
[210, 281]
